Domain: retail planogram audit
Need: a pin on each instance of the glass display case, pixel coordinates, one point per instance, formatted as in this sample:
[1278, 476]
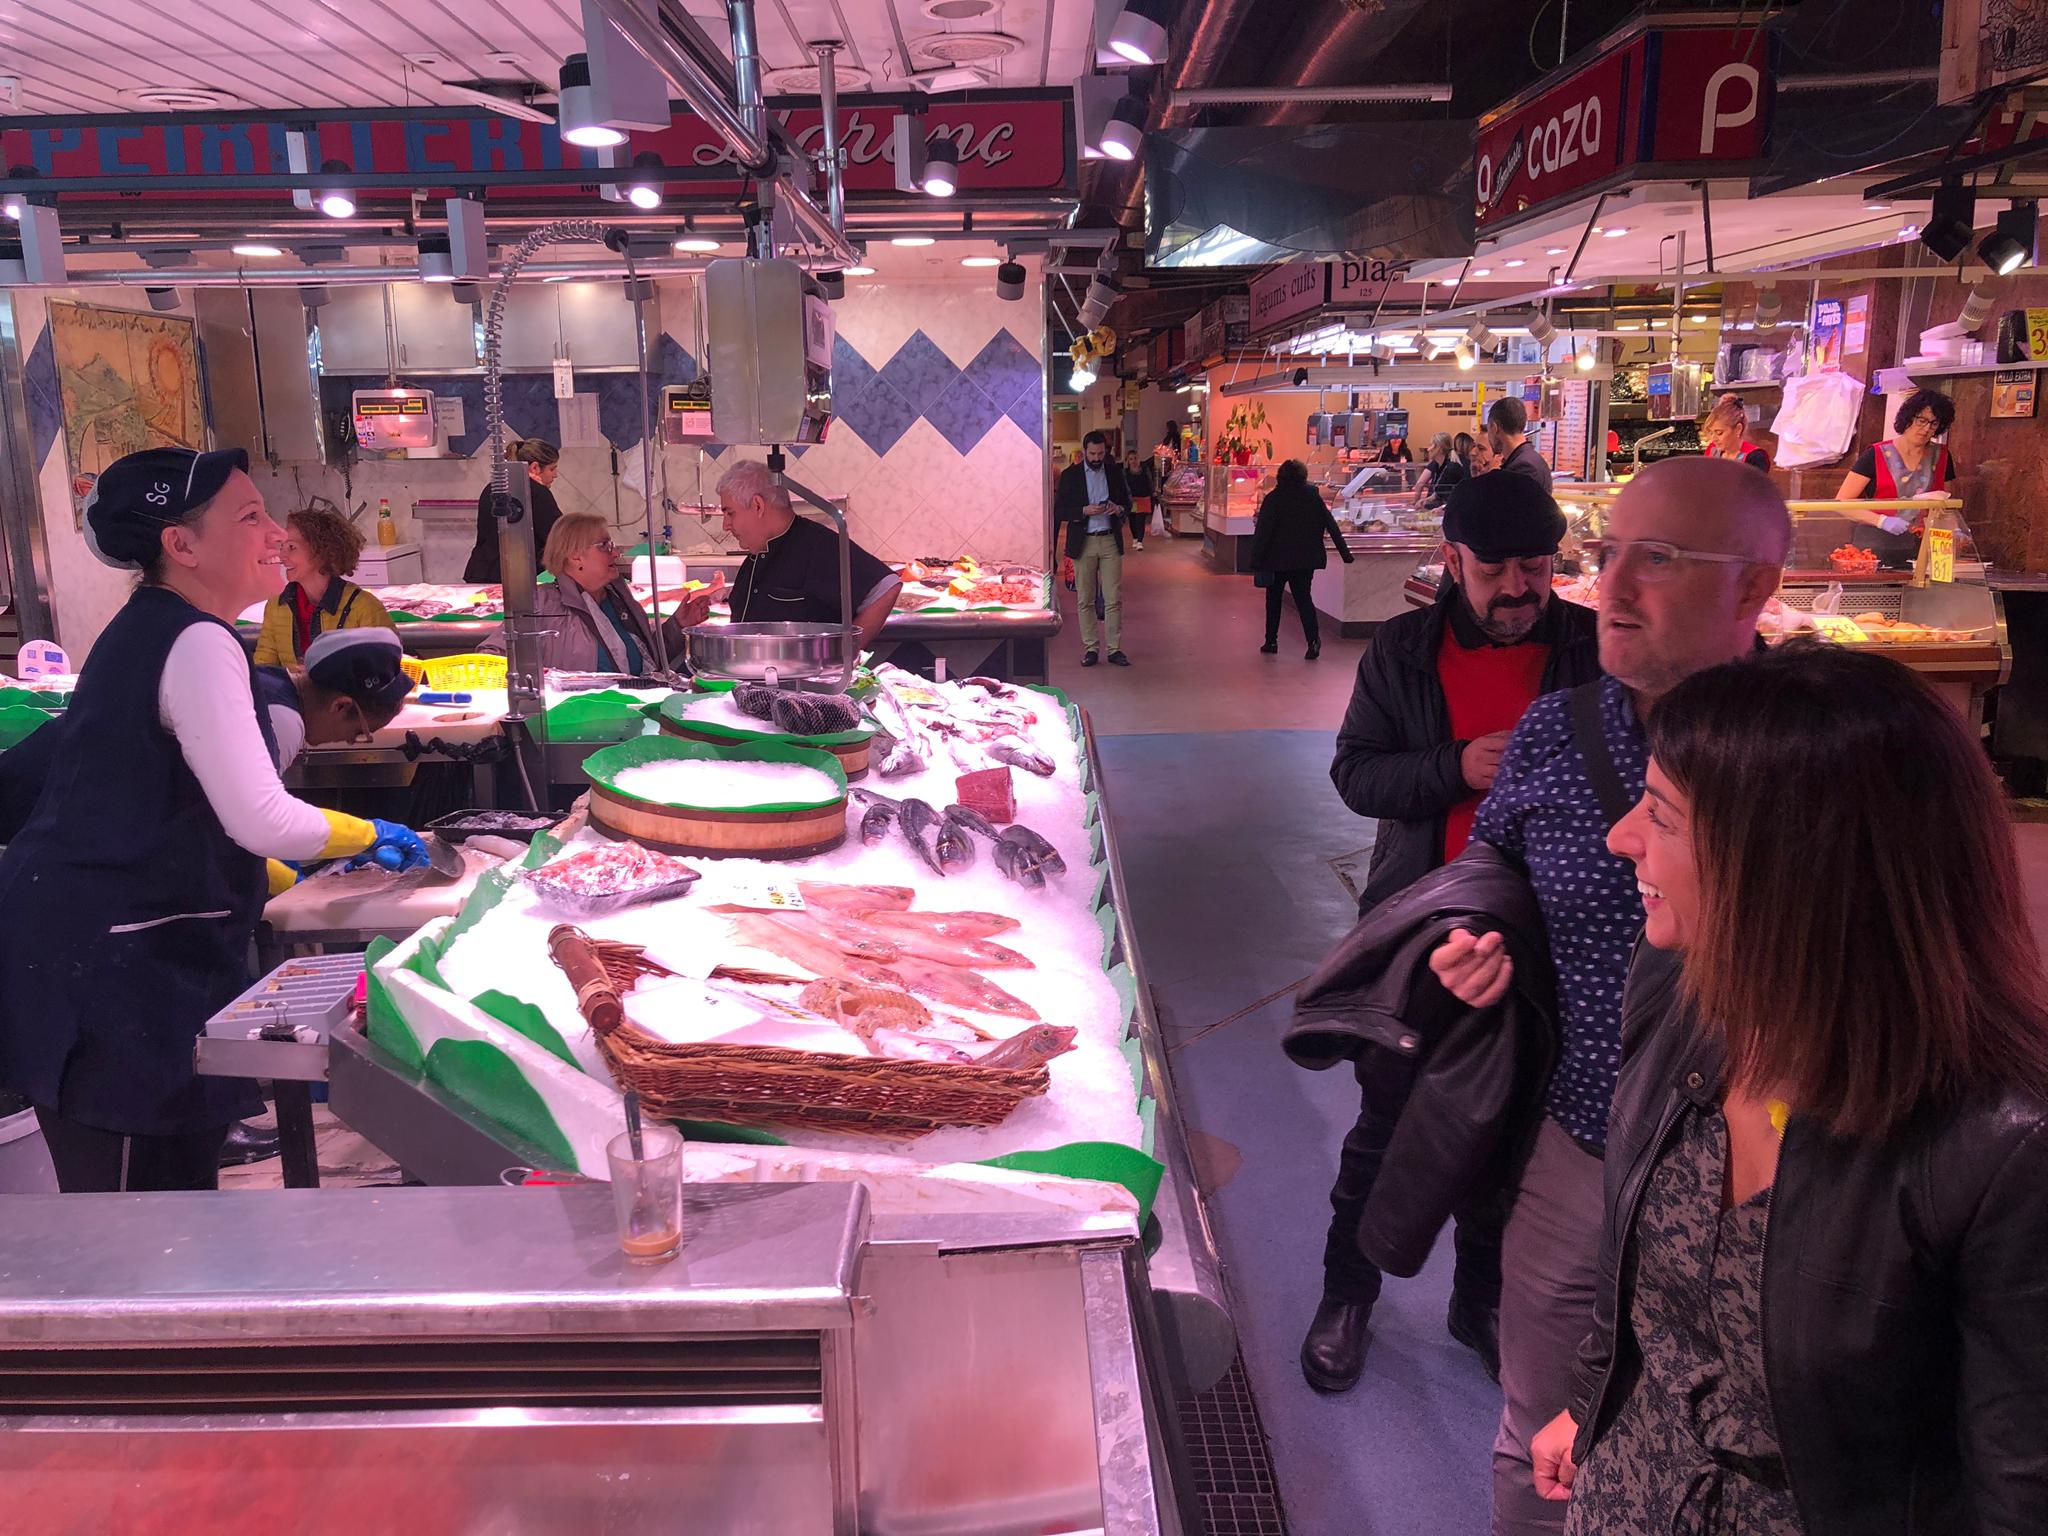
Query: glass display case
[1921, 599]
[1181, 497]
[1230, 510]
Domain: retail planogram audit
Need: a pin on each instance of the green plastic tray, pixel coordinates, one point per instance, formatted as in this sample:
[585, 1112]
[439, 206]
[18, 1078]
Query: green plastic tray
[674, 710]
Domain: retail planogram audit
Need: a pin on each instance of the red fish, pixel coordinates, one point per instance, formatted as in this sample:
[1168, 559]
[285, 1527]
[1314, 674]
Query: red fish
[856, 898]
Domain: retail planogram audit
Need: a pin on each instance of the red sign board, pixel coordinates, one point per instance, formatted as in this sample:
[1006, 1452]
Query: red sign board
[1661, 96]
[1013, 145]
[1708, 96]
[1551, 146]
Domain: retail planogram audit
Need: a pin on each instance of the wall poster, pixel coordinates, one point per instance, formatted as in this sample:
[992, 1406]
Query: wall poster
[127, 381]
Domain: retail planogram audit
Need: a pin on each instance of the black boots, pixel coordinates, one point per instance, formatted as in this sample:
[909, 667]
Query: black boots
[1315, 649]
[248, 1143]
[1333, 1354]
[1476, 1326]
[1270, 648]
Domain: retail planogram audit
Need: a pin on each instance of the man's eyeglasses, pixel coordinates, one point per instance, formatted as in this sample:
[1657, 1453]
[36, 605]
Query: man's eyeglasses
[1652, 561]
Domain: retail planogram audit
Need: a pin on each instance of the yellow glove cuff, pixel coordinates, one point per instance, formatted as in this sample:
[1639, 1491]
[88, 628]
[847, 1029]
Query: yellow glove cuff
[345, 835]
[282, 876]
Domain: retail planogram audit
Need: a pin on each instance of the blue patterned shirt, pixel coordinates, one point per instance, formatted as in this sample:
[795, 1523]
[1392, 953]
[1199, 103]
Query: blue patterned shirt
[1542, 812]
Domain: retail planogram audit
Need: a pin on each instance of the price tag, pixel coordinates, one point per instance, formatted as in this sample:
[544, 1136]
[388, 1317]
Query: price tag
[765, 895]
[2037, 335]
[1941, 554]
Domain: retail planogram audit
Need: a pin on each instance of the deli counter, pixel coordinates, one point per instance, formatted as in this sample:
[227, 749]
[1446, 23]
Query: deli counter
[1937, 614]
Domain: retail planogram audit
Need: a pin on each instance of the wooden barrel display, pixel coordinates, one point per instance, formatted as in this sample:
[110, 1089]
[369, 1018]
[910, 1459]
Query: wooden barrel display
[808, 820]
[727, 727]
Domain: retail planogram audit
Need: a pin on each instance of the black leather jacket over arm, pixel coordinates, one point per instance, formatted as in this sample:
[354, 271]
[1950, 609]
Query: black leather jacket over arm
[1905, 1293]
[1480, 1072]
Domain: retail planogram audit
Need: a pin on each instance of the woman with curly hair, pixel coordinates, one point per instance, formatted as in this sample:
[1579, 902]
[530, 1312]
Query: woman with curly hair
[319, 555]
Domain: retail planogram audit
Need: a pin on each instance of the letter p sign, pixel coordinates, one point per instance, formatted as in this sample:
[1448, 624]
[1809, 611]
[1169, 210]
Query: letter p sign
[1714, 116]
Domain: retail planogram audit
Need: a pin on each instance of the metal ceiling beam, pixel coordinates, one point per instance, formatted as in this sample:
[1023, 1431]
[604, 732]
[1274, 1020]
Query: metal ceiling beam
[1257, 95]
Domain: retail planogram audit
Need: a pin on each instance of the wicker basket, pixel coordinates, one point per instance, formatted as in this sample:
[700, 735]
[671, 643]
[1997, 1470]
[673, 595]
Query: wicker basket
[808, 1090]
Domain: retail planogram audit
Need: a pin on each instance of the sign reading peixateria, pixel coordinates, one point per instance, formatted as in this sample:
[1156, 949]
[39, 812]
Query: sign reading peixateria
[1018, 143]
[1650, 97]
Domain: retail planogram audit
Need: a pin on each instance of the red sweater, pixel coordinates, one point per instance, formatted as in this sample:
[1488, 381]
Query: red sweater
[1488, 689]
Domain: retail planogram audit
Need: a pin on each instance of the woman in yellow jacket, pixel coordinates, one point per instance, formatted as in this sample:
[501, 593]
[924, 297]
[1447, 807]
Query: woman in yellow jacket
[320, 553]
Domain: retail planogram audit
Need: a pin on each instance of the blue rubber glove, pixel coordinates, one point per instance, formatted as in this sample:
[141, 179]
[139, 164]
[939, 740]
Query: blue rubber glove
[397, 848]
[1896, 526]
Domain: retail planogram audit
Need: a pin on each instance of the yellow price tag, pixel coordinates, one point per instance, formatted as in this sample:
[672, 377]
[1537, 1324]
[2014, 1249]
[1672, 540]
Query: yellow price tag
[2037, 335]
[1941, 554]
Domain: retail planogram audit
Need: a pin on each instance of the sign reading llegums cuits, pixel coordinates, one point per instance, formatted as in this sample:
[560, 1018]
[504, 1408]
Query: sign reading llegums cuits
[1299, 287]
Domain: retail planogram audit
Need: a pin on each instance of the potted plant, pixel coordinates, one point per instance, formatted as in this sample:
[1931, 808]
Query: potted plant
[1241, 432]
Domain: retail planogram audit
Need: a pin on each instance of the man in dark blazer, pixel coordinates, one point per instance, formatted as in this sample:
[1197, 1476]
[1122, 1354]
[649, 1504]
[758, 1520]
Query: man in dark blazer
[1093, 500]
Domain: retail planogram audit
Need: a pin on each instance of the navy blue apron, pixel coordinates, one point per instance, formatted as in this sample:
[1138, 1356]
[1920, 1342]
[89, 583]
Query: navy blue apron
[126, 911]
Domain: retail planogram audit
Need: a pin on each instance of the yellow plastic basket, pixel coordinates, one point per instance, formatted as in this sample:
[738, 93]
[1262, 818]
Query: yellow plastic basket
[415, 669]
[475, 670]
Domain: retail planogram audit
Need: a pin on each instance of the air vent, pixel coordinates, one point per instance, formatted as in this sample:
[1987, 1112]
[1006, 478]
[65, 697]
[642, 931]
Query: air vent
[802, 79]
[965, 47]
[957, 10]
[183, 98]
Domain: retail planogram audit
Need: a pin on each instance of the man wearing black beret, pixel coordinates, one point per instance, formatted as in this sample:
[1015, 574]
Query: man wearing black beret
[1438, 692]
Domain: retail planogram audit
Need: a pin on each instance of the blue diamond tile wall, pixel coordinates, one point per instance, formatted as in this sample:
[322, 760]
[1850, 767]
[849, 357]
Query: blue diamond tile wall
[937, 441]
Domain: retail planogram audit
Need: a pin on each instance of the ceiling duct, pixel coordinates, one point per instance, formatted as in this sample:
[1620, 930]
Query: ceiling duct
[1245, 196]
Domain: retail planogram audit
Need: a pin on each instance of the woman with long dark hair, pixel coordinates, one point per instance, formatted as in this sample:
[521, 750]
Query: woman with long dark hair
[1824, 1308]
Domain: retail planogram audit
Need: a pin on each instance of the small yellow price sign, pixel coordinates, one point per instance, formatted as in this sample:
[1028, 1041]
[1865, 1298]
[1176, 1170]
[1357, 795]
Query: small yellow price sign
[1941, 554]
[2037, 335]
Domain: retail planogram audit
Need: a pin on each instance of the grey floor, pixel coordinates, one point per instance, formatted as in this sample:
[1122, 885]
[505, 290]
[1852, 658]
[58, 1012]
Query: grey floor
[1228, 838]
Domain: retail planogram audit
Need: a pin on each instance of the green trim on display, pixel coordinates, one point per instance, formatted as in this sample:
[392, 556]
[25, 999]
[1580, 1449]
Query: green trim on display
[1111, 1162]
[719, 1131]
[490, 1082]
[603, 766]
[385, 1025]
[528, 1020]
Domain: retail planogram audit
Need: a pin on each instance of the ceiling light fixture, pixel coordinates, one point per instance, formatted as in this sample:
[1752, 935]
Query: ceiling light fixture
[1137, 34]
[912, 240]
[858, 271]
[1515, 261]
[1615, 233]
[981, 261]
[645, 195]
[437, 259]
[255, 248]
[1010, 280]
[1125, 131]
[336, 201]
[831, 285]
[2011, 245]
[1467, 358]
[1081, 378]
[1952, 221]
[580, 122]
[1589, 357]
[696, 245]
[1553, 250]
[1482, 271]
[162, 298]
[942, 167]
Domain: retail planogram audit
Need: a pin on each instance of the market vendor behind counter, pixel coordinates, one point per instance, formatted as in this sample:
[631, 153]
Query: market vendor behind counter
[791, 573]
[1910, 463]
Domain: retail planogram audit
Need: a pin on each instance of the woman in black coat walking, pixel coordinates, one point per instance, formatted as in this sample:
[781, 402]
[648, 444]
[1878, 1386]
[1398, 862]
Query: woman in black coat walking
[1287, 550]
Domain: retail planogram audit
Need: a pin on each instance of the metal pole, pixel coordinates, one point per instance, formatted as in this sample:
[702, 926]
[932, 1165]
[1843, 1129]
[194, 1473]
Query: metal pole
[828, 102]
[846, 614]
[26, 552]
[746, 68]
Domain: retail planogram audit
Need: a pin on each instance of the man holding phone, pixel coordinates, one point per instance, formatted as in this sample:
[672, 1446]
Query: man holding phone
[1093, 500]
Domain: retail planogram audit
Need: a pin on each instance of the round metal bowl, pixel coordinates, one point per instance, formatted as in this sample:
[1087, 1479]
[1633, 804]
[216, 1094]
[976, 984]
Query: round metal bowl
[760, 652]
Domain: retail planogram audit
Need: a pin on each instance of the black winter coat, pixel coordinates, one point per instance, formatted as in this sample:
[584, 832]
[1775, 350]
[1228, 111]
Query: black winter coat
[1288, 535]
[1478, 1088]
[1905, 1309]
[1396, 759]
[1070, 497]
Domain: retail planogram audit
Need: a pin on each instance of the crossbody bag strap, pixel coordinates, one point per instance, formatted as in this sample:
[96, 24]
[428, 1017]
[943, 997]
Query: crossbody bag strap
[1591, 739]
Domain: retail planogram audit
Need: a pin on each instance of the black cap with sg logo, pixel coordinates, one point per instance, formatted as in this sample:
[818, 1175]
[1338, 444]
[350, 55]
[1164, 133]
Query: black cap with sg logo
[140, 494]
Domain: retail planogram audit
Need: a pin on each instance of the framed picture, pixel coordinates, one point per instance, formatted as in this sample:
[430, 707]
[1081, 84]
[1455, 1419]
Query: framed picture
[2014, 394]
[127, 380]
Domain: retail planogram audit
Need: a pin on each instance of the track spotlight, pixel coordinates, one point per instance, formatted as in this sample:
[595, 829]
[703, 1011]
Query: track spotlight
[1543, 331]
[1300, 377]
[941, 167]
[2011, 245]
[1977, 307]
[437, 261]
[313, 295]
[1010, 280]
[645, 195]
[1125, 130]
[1589, 356]
[831, 285]
[1137, 35]
[1082, 377]
[162, 298]
[1952, 221]
[579, 119]
[1481, 338]
[1769, 305]
[462, 293]
[336, 201]
[1467, 358]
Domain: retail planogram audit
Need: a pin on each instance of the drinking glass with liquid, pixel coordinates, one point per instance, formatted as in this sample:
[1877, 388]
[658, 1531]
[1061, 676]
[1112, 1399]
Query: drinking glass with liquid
[647, 1193]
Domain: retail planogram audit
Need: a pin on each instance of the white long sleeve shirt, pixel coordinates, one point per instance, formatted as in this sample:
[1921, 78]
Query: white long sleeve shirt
[204, 700]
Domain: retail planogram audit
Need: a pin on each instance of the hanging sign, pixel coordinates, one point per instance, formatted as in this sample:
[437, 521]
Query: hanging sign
[1653, 96]
[1006, 142]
